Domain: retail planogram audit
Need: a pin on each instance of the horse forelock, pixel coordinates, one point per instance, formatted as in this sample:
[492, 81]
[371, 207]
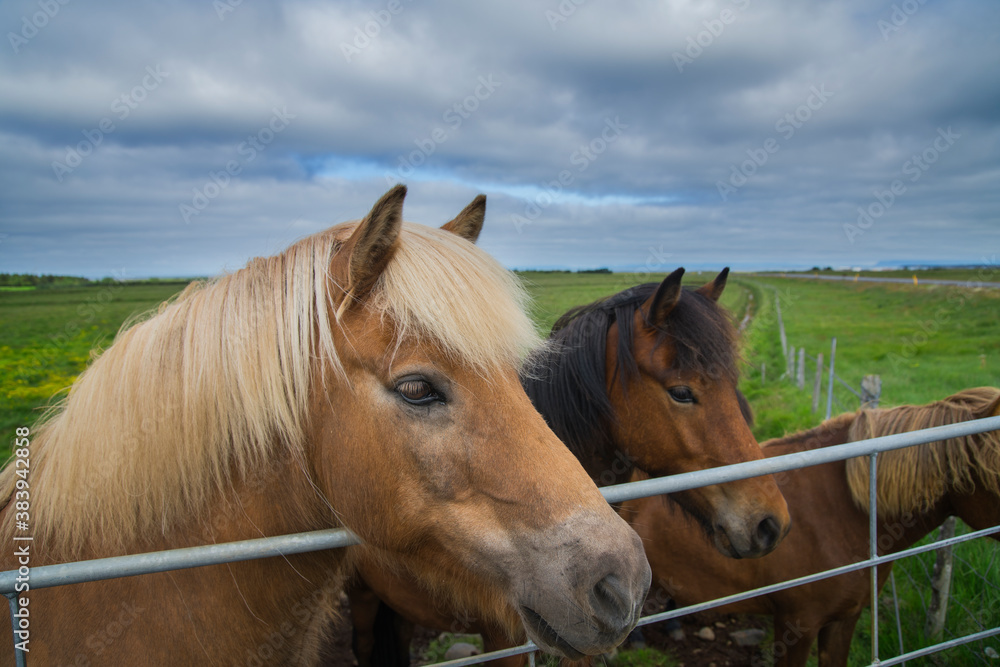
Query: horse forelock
[703, 338]
[570, 387]
[915, 478]
[215, 384]
[442, 288]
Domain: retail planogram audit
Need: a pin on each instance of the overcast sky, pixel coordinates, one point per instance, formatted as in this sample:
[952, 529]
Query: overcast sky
[175, 139]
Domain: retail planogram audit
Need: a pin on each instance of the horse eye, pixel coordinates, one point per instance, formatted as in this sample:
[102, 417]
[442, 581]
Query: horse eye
[417, 392]
[681, 394]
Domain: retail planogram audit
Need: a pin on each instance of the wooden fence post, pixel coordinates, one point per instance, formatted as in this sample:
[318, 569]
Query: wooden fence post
[790, 362]
[801, 378]
[871, 391]
[817, 385]
[940, 584]
[829, 391]
[781, 327]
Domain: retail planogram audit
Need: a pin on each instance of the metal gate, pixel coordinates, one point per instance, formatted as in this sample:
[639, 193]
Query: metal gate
[124, 566]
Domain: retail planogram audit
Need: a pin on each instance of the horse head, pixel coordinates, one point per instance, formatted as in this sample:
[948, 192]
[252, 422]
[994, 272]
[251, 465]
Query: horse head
[425, 444]
[647, 378]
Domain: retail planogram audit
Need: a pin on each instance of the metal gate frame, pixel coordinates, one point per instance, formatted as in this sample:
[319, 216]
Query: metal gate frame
[47, 576]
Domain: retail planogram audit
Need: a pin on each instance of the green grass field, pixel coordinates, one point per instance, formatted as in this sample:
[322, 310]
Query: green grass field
[47, 337]
[924, 341]
[986, 273]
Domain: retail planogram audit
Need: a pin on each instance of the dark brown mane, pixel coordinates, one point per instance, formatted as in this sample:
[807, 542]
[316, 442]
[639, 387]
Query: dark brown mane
[567, 379]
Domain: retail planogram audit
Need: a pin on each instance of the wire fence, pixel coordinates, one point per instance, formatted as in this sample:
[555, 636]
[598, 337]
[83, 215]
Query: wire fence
[867, 394]
[94, 570]
[848, 398]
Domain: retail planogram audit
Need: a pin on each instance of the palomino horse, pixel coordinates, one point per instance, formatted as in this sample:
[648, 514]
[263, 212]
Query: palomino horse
[918, 487]
[646, 377]
[366, 377]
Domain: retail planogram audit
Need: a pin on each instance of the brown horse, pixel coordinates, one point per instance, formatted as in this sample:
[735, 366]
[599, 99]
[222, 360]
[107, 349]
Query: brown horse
[366, 377]
[645, 378]
[918, 487]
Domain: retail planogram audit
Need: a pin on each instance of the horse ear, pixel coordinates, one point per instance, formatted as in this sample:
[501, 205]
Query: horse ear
[469, 222]
[713, 290]
[666, 297]
[363, 256]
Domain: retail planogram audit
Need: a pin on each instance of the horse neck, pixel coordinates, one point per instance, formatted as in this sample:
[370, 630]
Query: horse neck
[835, 431]
[979, 508]
[282, 501]
[902, 531]
[830, 480]
[279, 500]
[233, 605]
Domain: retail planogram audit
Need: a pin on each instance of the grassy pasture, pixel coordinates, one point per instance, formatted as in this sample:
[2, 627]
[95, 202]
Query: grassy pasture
[47, 337]
[924, 341]
[989, 272]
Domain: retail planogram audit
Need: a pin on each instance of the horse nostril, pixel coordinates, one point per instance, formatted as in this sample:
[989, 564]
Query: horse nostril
[768, 532]
[610, 603]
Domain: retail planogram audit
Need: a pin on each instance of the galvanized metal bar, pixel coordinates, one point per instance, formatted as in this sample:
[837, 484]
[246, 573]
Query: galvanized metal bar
[936, 648]
[107, 568]
[495, 655]
[809, 578]
[530, 647]
[20, 660]
[690, 480]
[848, 387]
[46, 576]
[873, 547]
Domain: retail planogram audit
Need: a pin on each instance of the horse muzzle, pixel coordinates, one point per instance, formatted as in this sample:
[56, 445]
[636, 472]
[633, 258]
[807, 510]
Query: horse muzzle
[582, 589]
[753, 538]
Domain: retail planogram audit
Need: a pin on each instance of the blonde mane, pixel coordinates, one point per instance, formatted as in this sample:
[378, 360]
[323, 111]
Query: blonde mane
[913, 479]
[215, 385]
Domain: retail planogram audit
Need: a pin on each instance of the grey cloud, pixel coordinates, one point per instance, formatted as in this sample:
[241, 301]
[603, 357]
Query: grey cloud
[409, 103]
